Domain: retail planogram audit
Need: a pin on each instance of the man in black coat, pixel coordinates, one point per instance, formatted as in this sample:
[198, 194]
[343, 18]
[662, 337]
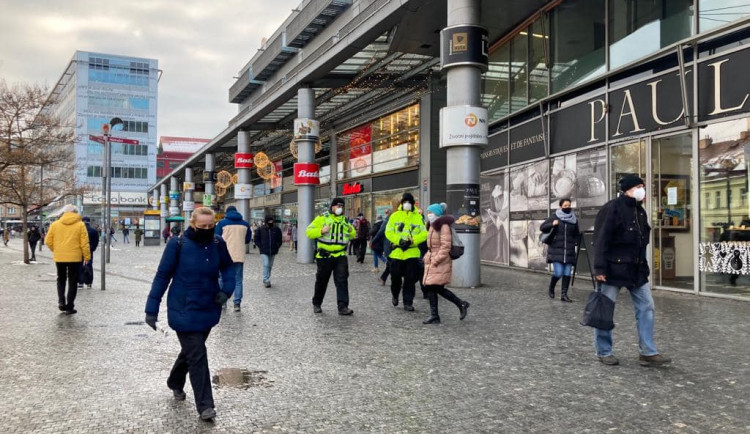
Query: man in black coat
[621, 236]
[34, 237]
[268, 239]
[93, 244]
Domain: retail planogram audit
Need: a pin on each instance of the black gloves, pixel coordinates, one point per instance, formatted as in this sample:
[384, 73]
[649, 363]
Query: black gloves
[151, 321]
[221, 298]
[404, 244]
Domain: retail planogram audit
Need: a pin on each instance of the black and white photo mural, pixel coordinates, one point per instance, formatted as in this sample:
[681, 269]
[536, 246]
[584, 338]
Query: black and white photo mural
[495, 217]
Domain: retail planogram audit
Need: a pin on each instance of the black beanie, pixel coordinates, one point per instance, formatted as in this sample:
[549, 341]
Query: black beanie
[407, 197]
[629, 181]
[337, 201]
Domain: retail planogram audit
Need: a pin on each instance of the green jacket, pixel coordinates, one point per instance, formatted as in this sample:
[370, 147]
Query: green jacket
[335, 241]
[404, 225]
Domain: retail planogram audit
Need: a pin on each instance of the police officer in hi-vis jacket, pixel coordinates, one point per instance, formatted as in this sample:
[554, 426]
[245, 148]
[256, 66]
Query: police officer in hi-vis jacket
[333, 233]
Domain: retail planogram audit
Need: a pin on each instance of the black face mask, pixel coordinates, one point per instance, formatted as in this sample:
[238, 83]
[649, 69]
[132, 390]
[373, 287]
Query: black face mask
[269, 224]
[567, 210]
[203, 236]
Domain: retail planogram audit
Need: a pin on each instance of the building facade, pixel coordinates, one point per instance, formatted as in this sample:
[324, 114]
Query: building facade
[174, 150]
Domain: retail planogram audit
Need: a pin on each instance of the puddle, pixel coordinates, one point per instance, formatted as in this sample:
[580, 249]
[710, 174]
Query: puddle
[135, 323]
[241, 378]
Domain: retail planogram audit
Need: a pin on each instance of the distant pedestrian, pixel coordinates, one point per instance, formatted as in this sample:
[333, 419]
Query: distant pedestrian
[34, 236]
[621, 237]
[269, 240]
[376, 246]
[236, 233]
[68, 240]
[43, 232]
[332, 232]
[125, 235]
[6, 236]
[88, 280]
[387, 247]
[294, 237]
[175, 231]
[192, 264]
[165, 234]
[138, 232]
[561, 252]
[363, 233]
[406, 231]
[438, 265]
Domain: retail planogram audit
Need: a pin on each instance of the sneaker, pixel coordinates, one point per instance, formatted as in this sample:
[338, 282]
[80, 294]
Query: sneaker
[655, 360]
[70, 311]
[179, 395]
[237, 308]
[394, 301]
[267, 284]
[609, 360]
[208, 414]
[317, 309]
[408, 308]
[345, 311]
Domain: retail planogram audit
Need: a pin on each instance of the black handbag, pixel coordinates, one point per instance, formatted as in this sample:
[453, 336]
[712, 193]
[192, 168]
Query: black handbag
[548, 237]
[88, 275]
[599, 312]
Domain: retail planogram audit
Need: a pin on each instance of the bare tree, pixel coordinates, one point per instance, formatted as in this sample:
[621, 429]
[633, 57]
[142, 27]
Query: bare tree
[33, 141]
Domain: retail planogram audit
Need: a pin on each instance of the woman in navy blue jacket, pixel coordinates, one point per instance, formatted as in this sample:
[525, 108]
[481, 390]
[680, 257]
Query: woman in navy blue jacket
[192, 264]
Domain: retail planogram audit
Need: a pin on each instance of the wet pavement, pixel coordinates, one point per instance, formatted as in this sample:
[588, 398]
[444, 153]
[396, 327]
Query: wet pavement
[518, 363]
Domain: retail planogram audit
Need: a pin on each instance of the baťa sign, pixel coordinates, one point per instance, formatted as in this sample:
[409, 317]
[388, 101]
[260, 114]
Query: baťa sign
[356, 187]
[243, 161]
[463, 125]
[306, 174]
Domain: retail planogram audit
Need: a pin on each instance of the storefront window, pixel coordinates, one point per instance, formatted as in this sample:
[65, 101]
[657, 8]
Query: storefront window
[626, 159]
[577, 42]
[496, 84]
[538, 72]
[724, 250]
[640, 27]
[716, 13]
[519, 69]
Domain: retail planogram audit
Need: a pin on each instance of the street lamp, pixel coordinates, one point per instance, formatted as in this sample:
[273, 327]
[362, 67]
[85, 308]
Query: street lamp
[107, 192]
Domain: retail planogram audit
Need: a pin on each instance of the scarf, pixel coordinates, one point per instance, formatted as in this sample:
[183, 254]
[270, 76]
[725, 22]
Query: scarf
[567, 218]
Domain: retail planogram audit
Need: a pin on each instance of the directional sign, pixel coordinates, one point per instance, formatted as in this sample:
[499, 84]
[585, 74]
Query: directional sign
[96, 139]
[126, 141]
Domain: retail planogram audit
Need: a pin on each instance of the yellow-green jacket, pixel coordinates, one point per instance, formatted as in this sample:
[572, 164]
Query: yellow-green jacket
[335, 241]
[413, 227]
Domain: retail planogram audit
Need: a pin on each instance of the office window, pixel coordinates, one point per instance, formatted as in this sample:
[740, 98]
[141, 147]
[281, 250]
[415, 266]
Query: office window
[98, 63]
[160, 164]
[139, 68]
[496, 83]
[716, 13]
[135, 126]
[11, 210]
[743, 196]
[707, 200]
[173, 165]
[538, 72]
[519, 70]
[717, 200]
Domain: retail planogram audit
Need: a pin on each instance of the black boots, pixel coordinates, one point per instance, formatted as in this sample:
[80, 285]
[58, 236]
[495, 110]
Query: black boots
[434, 317]
[463, 308]
[552, 283]
[564, 290]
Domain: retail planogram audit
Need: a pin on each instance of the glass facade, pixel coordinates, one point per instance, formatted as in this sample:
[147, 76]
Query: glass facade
[716, 13]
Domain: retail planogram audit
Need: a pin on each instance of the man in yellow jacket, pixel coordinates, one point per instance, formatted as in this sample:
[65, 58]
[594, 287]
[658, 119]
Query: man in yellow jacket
[68, 240]
[333, 233]
[405, 231]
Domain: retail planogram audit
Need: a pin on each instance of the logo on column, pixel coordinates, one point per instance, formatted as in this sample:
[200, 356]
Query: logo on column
[243, 161]
[306, 174]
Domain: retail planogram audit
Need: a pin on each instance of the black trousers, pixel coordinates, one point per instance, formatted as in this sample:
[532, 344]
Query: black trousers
[404, 273]
[339, 267]
[193, 360]
[32, 247]
[360, 249]
[90, 267]
[67, 272]
[387, 271]
[432, 293]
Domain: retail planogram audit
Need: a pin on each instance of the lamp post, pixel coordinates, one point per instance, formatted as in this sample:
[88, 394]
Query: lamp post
[107, 192]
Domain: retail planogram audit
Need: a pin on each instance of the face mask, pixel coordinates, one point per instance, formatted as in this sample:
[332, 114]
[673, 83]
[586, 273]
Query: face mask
[339, 211]
[269, 224]
[431, 217]
[203, 235]
[567, 210]
[406, 206]
[639, 194]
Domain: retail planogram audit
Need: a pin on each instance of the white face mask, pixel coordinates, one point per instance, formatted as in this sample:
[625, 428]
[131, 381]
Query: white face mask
[339, 211]
[431, 217]
[639, 193]
[406, 206]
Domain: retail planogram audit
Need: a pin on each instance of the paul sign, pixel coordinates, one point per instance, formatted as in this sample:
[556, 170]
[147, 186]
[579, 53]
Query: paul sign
[243, 161]
[306, 174]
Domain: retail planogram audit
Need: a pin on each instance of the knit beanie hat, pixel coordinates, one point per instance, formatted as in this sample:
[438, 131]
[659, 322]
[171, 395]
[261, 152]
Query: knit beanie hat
[629, 181]
[437, 208]
[337, 201]
[407, 197]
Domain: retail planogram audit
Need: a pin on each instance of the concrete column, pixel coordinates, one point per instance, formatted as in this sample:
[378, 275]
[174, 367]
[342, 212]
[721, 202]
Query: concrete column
[164, 210]
[155, 199]
[243, 175]
[173, 186]
[210, 166]
[188, 197]
[464, 88]
[333, 158]
[305, 193]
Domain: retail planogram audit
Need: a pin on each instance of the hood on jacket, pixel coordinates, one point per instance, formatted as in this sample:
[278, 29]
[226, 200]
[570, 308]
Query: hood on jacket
[70, 218]
[233, 215]
[444, 220]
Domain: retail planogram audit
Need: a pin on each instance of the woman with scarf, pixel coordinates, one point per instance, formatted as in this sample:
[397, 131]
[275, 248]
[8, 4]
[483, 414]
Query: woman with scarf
[561, 252]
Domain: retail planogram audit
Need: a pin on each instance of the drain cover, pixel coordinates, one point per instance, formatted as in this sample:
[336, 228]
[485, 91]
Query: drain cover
[241, 378]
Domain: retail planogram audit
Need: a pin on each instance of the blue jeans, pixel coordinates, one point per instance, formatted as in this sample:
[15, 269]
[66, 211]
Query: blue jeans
[375, 257]
[643, 304]
[237, 269]
[267, 266]
[560, 269]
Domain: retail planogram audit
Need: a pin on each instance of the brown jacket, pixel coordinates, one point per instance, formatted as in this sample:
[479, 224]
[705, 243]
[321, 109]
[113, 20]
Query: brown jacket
[438, 265]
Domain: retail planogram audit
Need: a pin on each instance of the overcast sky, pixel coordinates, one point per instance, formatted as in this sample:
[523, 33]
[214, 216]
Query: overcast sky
[200, 44]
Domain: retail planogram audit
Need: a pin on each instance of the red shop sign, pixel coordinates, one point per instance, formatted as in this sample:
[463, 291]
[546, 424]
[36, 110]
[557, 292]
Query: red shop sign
[306, 174]
[353, 188]
[243, 161]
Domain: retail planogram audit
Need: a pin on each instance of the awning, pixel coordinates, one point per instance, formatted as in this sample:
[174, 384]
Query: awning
[175, 218]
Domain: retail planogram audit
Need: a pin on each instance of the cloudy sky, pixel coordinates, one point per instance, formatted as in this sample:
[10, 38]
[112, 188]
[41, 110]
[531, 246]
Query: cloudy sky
[200, 44]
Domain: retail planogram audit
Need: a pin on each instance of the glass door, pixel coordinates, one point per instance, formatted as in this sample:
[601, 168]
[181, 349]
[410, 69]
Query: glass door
[671, 212]
[629, 158]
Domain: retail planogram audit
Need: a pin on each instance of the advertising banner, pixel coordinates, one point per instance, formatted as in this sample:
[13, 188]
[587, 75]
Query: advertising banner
[306, 174]
[243, 191]
[306, 129]
[243, 160]
[207, 199]
[463, 125]
[188, 186]
[188, 205]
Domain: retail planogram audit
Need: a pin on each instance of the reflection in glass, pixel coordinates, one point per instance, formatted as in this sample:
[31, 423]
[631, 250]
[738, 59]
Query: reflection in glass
[495, 95]
[519, 69]
[716, 13]
[626, 159]
[538, 72]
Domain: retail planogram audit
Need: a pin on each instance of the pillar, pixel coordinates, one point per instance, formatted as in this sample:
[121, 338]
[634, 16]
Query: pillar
[163, 201]
[188, 203]
[155, 199]
[174, 208]
[305, 193]
[464, 82]
[243, 175]
[209, 190]
[333, 158]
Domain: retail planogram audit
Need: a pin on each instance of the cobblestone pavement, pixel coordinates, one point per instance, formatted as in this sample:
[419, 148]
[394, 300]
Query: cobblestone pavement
[518, 363]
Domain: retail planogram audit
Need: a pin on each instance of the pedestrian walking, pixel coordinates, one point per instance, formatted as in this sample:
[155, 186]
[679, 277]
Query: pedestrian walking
[112, 236]
[363, 234]
[236, 233]
[376, 245]
[6, 236]
[438, 265]
[138, 232]
[405, 230]
[332, 232]
[561, 252]
[83, 278]
[43, 232]
[175, 231]
[387, 248]
[68, 240]
[190, 268]
[621, 237]
[34, 236]
[125, 235]
[269, 240]
[165, 234]
[294, 237]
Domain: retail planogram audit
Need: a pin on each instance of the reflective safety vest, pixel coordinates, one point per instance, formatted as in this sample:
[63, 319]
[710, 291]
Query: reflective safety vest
[403, 225]
[333, 243]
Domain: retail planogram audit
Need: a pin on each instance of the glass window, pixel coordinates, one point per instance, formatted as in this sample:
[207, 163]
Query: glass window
[640, 27]
[496, 84]
[577, 42]
[519, 69]
[538, 72]
[716, 13]
[717, 200]
[626, 159]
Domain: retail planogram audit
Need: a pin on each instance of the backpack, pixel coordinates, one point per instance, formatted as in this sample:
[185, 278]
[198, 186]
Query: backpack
[457, 247]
